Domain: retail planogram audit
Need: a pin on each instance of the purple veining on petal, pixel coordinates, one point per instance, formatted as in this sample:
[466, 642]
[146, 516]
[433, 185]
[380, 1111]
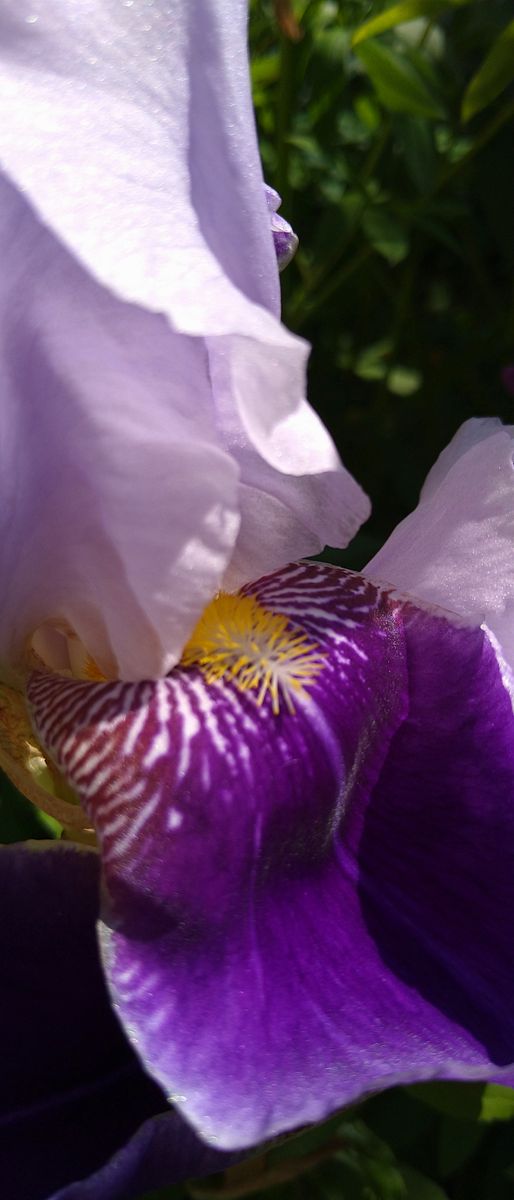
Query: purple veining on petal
[284, 237]
[294, 905]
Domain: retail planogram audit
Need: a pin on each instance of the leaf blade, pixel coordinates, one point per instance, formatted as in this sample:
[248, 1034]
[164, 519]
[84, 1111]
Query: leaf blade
[492, 77]
[397, 83]
[401, 14]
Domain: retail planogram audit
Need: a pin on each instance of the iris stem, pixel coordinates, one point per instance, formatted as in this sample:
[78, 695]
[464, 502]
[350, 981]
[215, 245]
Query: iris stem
[256, 1175]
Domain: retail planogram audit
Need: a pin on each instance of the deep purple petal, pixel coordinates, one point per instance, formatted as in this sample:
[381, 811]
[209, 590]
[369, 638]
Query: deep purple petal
[299, 908]
[72, 1092]
[164, 1151]
[437, 853]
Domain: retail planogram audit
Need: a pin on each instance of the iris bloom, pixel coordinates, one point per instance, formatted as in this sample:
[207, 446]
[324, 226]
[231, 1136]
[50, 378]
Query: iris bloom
[300, 779]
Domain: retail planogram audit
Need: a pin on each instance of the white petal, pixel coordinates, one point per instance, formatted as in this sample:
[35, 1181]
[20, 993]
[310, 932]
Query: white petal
[457, 548]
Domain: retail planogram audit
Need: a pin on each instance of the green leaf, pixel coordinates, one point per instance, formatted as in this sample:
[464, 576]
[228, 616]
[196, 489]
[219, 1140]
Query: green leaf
[397, 83]
[387, 236]
[19, 819]
[398, 1118]
[419, 1187]
[492, 77]
[438, 230]
[454, 1099]
[372, 363]
[404, 381]
[368, 112]
[417, 139]
[456, 1144]
[400, 14]
[472, 1101]
[497, 1103]
[266, 69]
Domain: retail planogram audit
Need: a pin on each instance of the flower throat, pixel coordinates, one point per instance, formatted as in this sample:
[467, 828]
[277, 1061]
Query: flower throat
[238, 640]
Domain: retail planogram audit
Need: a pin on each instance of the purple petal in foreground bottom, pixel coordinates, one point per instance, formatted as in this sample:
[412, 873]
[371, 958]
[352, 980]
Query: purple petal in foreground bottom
[164, 1150]
[305, 908]
[71, 1090]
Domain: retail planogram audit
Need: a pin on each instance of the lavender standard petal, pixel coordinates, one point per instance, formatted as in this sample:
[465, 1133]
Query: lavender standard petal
[148, 388]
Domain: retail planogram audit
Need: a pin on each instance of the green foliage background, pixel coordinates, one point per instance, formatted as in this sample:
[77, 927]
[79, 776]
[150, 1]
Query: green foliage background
[394, 157]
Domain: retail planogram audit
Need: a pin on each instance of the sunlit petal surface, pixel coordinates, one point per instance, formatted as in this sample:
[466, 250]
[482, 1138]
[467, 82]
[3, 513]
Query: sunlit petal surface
[152, 405]
[299, 907]
[455, 549]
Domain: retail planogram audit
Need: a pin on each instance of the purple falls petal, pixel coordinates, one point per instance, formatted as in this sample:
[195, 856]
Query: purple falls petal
[164, 1151]
[72, 1092]
[302, 909]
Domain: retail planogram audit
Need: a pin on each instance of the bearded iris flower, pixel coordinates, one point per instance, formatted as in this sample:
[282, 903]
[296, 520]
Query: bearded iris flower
[300, 779]
[306, 827]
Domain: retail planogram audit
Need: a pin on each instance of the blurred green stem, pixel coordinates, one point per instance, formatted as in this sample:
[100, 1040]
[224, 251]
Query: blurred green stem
[403, 309]
[426, 34]
[257, 1176]
[284, 103]
[335, 281]
[318, 273]
[487, 132]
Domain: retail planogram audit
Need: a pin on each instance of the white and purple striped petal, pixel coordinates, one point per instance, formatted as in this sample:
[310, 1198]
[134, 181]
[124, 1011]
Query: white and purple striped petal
[297, 906]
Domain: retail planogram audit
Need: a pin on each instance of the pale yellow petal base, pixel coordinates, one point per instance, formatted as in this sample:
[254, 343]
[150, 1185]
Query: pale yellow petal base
[25, 764]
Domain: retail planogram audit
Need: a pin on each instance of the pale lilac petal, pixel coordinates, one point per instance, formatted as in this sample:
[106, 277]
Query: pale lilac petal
[298, 907]
[457, 548]
[130, 128]
[131, 187]
[119, 507]
[295, 497]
